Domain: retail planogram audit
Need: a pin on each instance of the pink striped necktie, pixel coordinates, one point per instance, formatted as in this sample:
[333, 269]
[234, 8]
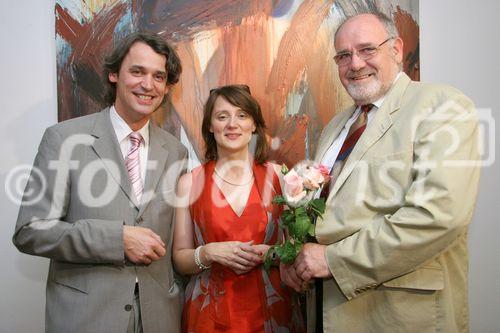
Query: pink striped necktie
[133, 165]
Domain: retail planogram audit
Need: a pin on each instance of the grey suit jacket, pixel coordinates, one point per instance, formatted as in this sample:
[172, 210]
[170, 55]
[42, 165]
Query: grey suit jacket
[396, 220]
[84, 199]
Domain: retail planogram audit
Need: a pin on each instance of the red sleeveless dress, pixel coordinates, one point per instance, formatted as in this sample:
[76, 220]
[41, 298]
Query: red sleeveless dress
[218, 300]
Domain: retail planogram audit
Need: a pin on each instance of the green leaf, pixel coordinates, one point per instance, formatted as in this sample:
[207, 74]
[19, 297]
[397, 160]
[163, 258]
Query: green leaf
[300, 211]
[268, 260]
[284, 169]
[279, 200]
[288, 218]
[318, 206]
[287, 252]
[312, 230]
[300, 228]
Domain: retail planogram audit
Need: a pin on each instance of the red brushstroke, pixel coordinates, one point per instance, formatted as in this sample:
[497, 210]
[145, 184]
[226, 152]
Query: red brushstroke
[409, 32]
[88, 42]
[244, 32]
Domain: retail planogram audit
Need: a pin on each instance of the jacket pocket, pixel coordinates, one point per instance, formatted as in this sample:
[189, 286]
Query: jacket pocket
[73, 276]
[428, 277]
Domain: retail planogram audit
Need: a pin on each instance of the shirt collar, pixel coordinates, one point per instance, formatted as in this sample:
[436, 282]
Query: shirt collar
[123, 130]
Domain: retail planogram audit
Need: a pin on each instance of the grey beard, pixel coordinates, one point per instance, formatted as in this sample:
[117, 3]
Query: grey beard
[365, 93]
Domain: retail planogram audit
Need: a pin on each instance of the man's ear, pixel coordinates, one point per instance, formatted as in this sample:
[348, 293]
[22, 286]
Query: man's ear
[113, 77]
[397, 49]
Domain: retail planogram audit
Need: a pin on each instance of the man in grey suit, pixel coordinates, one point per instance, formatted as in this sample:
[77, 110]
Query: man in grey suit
[391, 252]
[104, 186]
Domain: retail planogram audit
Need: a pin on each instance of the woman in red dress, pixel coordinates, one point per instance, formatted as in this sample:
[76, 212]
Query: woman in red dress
[225, 223]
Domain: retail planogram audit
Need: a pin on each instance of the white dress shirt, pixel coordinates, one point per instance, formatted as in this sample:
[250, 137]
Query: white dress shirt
[122, 131]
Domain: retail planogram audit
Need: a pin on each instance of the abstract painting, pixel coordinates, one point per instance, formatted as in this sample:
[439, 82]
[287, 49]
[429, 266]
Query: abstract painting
[282, 49]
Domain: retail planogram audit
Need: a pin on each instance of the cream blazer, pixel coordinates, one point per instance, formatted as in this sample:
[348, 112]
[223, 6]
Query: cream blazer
[397, 217]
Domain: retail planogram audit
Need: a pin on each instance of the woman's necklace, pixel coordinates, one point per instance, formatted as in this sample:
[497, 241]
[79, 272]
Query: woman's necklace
[231, 183]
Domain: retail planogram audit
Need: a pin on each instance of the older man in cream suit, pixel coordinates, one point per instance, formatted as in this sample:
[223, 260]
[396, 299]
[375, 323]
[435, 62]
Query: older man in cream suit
[104, 186]
[391, 252]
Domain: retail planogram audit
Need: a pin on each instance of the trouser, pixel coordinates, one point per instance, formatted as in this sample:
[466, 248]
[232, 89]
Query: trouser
[319, 305]
[135, 322]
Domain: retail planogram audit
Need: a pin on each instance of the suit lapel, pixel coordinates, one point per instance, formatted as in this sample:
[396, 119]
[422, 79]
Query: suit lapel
[157, 158]
[332, 131]
[106, 146]
[379, 125]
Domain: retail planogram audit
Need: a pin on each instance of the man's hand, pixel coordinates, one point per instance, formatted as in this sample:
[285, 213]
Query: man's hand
[142, 245]
[290, 277]
[311, 262]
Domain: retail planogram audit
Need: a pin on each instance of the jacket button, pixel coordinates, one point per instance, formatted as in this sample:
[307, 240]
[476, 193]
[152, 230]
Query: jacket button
[139, 220]
[128, 307]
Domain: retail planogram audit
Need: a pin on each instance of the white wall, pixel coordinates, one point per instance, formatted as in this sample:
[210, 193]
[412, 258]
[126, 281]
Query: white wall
[459, 40]
[28, 106]
[459, 44]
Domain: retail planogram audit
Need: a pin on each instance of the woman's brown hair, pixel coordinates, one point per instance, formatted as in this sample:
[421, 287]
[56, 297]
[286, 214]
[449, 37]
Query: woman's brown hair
[238, 95]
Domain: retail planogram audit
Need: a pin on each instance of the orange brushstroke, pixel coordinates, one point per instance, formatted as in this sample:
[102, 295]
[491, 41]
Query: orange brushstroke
[292, 138]
[294, 47]
[190, 94]
[244, 33]
[297, 53]
[409, 32]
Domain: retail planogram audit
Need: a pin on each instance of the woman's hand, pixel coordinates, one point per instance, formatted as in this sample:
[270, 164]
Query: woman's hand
[261, 249]
[240, 257]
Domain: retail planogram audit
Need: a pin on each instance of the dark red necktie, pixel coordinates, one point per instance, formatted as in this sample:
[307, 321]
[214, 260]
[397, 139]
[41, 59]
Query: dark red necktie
[355, 131]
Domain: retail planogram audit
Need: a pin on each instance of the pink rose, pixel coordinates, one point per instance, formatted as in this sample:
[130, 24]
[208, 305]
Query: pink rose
[313, 178]
[294, 189]
[324, 171]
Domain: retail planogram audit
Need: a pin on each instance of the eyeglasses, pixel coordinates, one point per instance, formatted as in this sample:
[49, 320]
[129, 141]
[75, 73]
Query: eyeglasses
[364, 53]
[232, 86]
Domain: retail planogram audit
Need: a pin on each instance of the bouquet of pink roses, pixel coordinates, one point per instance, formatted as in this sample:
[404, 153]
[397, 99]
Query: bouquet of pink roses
[301, 209]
